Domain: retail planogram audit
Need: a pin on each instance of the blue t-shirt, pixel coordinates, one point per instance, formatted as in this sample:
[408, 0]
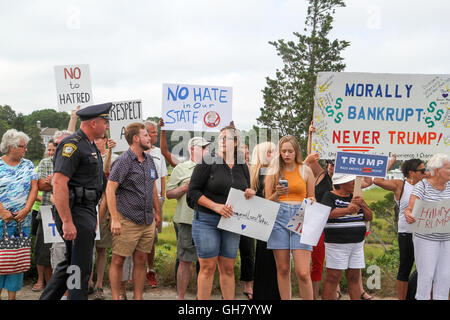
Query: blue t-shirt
[15, 185]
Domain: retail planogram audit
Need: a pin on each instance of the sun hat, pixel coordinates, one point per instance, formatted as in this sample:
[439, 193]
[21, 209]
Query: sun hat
[339, 178]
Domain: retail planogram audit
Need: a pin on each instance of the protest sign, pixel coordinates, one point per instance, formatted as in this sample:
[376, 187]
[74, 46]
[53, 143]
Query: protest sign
[51, 234]
[361, 164]
[382, 114]
[295, 224]
[196, 108]
[123, 113]
[431, 217]
[73, 86]
[253, 218]
[309, 221]
[316, 217]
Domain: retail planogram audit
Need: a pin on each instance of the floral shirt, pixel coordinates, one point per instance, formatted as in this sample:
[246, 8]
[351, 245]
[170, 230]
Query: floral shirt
[15, 185]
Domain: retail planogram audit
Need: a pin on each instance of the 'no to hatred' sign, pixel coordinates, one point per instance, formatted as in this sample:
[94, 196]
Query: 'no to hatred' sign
[196, 108]
[73, 86]
[406, 114]
[123, 113]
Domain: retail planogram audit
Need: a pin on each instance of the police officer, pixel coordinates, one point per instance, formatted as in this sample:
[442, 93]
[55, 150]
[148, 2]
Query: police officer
[78, 183]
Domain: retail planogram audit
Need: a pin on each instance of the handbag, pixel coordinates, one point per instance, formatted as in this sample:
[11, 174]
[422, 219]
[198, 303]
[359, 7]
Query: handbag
[15, 252]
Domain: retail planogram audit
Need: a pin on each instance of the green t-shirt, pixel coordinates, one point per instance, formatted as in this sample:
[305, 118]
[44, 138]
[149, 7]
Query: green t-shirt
[180, 175]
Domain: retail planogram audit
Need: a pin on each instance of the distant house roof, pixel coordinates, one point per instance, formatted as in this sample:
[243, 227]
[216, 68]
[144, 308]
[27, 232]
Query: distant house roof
[48, 131]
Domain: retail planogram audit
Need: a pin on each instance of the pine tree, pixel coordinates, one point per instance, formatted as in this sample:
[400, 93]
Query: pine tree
[289, 98]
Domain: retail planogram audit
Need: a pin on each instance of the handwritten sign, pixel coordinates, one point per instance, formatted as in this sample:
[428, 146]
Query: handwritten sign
[406, 114]
[51, 234]
[253, 218]
[360, 164]
[123, 113]
[73, 86]
[196, 108]
[431, 217]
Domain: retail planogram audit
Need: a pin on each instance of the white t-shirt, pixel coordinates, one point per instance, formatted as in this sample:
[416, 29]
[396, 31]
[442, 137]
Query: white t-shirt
[404, 201]
[160, 163]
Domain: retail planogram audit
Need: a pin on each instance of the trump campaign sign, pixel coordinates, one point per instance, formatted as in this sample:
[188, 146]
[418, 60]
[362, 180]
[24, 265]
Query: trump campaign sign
[406, 114]
[361, 164]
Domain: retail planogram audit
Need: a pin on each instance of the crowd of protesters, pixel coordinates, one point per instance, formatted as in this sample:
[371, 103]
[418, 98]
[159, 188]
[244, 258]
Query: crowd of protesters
[130, 217]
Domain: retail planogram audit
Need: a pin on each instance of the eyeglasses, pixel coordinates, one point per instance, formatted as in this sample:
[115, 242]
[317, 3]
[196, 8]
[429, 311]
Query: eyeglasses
[23, 147]
[422, 171]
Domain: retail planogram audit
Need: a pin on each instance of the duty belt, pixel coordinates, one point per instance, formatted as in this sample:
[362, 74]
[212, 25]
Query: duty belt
[78, 195]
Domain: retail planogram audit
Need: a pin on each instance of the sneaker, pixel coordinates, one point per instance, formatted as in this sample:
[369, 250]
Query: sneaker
[151, 279]
[98, 294]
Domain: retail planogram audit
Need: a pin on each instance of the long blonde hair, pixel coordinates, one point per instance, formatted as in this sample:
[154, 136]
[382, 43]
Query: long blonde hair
[277, 164]
[258, 160]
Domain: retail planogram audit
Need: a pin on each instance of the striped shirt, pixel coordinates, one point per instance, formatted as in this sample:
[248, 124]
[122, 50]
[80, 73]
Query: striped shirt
[425, 191]
[350, 228]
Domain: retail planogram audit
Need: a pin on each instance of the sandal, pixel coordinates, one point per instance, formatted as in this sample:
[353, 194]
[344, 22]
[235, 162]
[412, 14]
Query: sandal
[339, 295]
[369, 297]
[249, 295]
[122, 296]
[38, 287]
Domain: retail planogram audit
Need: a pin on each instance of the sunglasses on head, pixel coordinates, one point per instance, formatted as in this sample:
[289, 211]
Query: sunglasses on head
[422, 171]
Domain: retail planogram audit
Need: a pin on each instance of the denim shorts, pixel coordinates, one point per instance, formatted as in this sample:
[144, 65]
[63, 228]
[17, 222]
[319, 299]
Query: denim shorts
[209, 240]
[281, 237]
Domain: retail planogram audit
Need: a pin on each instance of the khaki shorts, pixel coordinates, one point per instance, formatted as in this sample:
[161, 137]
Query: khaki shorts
[133, 237]
[105, 233]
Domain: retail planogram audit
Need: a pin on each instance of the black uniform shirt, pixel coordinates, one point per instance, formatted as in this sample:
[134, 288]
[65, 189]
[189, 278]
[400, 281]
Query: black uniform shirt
[80, 160]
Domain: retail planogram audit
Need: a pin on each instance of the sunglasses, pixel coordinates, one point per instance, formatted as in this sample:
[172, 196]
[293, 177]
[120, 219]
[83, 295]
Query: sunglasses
[422, 171]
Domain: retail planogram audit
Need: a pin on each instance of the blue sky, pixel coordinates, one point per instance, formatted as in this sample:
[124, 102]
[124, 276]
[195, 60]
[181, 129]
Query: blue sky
[133, 47]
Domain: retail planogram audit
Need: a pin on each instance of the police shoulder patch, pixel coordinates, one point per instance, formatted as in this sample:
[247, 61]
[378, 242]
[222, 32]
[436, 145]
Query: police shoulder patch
[68, 149]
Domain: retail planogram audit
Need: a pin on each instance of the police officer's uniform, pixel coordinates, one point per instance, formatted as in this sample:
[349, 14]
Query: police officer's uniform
[80, 160]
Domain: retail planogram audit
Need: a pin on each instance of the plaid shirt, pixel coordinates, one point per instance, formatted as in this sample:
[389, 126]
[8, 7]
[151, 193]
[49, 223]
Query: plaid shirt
[45, 168]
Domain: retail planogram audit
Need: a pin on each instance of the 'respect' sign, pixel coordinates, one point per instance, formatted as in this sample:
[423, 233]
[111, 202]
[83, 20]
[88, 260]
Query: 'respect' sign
[406, 114]
[196, 108]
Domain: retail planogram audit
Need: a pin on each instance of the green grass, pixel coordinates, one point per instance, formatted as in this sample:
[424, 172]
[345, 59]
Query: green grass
[374, 194]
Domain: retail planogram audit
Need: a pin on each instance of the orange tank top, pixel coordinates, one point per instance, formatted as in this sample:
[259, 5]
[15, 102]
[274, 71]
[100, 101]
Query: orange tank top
[296, 185]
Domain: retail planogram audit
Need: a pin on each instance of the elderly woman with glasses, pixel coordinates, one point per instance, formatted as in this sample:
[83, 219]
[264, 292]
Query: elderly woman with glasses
[432, 251]
[18, 191]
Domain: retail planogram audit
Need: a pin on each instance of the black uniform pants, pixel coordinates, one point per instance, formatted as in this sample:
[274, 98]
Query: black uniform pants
[73, 273]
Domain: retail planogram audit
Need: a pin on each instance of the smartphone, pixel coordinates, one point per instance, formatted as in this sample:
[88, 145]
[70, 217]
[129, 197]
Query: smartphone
[283, 183]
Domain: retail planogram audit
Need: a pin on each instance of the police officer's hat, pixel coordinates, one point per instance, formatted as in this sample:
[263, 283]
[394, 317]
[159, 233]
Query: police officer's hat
[94, 111]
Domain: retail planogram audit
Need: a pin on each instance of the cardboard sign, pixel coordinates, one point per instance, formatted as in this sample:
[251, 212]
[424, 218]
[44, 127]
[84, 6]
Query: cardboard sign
[196, 108]
[73, 87]
[253, 218]
[431, 217]
[123, 113]
[316, 217]
[361, 164]
[51, 234]
[406, 114]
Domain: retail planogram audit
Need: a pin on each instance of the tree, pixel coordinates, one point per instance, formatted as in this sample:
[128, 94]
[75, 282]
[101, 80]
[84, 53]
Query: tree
[36, 148]
[289, 98]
